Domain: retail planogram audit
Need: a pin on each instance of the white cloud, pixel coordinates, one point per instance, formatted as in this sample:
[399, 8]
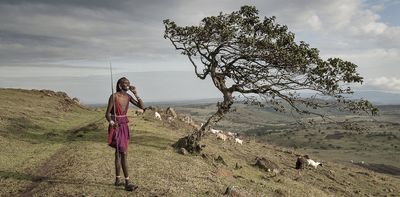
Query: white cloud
[354, 22]
[314, 21]
[386, 83]
[373, 63]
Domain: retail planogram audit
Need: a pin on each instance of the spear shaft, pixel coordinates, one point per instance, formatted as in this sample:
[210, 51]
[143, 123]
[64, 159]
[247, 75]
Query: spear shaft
[112, 92]
[114, 112]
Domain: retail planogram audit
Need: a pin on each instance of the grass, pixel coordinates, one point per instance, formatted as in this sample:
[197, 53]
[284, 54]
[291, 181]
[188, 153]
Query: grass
[376, 142]
[78, 162]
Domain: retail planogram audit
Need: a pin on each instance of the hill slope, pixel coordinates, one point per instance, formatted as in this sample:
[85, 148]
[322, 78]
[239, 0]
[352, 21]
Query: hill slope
[65, 154]
[341, 138]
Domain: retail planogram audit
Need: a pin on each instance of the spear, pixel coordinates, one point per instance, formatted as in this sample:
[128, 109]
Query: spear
[115, 116]
[112, 91]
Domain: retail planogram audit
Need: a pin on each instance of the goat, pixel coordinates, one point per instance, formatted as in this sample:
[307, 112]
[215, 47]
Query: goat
[314, 163]
[215, 131]
[237, 140]
[222, 136]
[157, 115]
[231, 134]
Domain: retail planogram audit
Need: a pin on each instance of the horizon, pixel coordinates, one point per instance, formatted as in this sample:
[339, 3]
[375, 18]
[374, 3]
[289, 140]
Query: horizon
[375, 98]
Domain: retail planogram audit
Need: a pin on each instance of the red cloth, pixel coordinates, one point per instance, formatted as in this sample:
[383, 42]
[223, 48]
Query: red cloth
[119, 137]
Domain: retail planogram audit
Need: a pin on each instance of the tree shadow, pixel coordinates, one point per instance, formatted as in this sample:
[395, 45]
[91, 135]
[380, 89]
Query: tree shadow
[152, 141]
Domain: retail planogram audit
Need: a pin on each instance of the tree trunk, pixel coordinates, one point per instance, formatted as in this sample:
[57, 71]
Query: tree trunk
[223, 108]
[191, 142]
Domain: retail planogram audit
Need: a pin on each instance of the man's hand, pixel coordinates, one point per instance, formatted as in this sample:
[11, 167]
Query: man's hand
[133, 89]
[113, 124]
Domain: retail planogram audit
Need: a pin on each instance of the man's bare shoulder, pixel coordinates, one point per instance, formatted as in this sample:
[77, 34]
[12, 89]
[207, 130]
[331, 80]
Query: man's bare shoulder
[122, 95]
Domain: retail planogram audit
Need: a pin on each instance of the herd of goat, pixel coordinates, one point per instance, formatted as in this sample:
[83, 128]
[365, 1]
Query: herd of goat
[301, 162]
[219, 133]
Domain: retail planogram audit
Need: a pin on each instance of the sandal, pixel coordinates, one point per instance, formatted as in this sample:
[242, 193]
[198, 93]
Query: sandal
[130, 187]
[118, 181]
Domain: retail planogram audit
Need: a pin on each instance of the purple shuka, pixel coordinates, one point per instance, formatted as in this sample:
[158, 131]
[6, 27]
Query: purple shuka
[119, 137]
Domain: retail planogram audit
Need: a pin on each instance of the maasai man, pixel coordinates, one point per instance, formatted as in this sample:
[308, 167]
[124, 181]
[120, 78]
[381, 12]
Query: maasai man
[118, 131]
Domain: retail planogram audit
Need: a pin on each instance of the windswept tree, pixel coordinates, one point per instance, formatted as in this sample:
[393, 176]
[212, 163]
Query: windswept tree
[260, 60]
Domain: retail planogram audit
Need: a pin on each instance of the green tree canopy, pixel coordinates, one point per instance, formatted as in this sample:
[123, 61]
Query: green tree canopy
[261, 60]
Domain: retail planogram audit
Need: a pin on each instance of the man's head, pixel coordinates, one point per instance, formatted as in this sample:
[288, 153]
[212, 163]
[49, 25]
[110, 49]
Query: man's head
[123, 84]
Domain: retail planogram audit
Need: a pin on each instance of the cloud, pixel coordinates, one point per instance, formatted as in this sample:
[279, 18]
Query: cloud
[58, 30]
[372, 63]
[77, 38]
[386, 83]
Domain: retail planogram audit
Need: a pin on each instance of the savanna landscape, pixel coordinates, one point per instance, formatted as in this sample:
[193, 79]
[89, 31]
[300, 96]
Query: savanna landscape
[53, 146]
[342, 137]
[272, 98]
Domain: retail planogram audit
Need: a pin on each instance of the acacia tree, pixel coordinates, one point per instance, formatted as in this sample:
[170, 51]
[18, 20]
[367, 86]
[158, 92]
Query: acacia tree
[260, 60]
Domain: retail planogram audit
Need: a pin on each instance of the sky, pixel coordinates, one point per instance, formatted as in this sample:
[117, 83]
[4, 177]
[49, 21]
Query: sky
[66, 45]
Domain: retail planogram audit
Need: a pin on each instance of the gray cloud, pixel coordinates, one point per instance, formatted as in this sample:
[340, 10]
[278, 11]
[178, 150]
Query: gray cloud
[58, 30]
[91, 4]
[47, 35]
[133, 29]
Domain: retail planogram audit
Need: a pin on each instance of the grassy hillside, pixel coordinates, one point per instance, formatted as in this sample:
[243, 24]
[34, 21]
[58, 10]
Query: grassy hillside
[33, 126]
[65, 154]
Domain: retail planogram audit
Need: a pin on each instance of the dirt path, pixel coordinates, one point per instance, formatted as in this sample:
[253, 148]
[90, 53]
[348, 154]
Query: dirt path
[44, 172]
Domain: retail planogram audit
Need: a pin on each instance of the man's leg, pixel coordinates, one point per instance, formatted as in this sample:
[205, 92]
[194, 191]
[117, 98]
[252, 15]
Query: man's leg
[117, 168]
[124, 163]
[128, 186]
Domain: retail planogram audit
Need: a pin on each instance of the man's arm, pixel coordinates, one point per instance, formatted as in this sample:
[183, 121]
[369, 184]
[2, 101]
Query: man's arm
[138, 102]
[109, 108]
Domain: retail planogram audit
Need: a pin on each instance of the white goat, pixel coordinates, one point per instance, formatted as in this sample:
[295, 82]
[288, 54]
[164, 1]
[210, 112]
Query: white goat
[157, 115]
[222, 136]
[215, 131]
[237, 140]
[231, 134]
[313, 163]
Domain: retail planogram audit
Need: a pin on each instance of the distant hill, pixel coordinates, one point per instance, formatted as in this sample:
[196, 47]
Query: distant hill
[172, 102]
[376, 97]
[379, 97]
